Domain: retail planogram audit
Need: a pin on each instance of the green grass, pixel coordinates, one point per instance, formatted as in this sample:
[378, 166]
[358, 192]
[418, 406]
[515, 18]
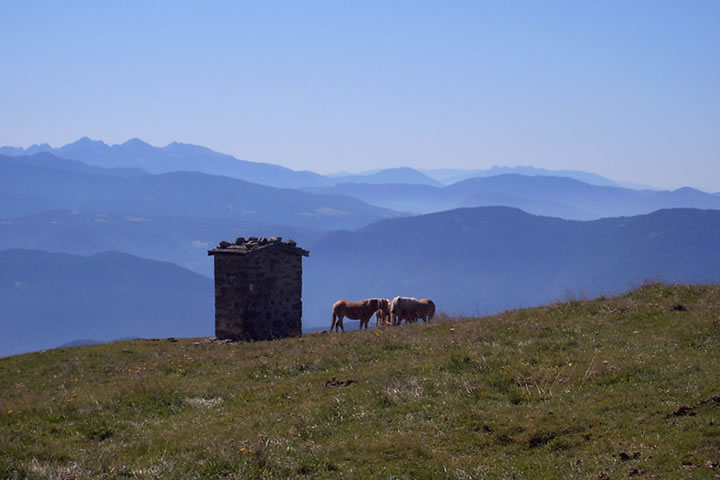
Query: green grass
[582, 389]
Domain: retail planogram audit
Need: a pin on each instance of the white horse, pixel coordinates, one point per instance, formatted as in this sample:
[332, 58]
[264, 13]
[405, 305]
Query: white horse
[403, 308]
[410, 309]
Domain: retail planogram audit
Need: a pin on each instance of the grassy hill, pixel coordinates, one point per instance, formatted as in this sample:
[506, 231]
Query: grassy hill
[610, 388]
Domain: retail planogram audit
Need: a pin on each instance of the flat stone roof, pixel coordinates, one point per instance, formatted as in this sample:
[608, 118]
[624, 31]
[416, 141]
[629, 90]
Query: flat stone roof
[253, 245]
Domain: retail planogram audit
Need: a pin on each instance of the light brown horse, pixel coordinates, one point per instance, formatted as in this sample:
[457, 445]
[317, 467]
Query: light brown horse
[362, 311]
[382, 315]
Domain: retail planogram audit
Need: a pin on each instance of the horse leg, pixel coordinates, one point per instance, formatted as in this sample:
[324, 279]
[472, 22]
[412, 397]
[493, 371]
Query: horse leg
[333, 324]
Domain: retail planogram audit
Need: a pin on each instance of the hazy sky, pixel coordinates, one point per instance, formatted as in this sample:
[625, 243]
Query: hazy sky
[629, 89]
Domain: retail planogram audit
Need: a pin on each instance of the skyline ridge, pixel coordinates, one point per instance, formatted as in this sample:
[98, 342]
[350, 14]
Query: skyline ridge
[585, 176]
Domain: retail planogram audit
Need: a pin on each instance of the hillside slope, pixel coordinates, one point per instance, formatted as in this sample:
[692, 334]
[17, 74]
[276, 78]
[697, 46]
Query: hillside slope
[30, 187]
[402, 175]
[484, 260]
[610, 388]
[449, 176]
[179, 239]
[540, 195]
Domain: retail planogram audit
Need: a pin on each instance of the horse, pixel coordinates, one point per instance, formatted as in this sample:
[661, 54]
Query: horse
[404, 308]
[426, 310]
[362, 311]
[382, 315]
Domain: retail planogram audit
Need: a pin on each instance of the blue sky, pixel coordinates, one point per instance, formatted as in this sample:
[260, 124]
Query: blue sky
[627, 89]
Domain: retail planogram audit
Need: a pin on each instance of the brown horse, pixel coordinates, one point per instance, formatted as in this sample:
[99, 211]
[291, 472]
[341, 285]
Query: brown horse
[382, 315]
[426, 309]
[354, 311]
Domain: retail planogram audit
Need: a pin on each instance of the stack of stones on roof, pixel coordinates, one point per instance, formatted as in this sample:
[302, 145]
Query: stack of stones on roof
[258, 289]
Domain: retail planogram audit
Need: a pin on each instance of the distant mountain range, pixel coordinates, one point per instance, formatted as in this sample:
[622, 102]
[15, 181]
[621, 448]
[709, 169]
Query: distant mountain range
[41, 182]
[175, 157]
[48, 299]
[542, 195]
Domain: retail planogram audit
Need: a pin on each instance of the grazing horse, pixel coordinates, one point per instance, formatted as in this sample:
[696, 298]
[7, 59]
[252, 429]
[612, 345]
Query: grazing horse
[355, 311]
[382, 315]
[426, 310]
[404, 308]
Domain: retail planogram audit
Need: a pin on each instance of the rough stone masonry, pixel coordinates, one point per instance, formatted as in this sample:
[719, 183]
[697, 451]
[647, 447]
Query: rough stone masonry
[258, 289]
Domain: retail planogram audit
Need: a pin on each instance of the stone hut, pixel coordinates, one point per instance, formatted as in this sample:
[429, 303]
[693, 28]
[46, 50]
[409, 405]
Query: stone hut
[258, 289]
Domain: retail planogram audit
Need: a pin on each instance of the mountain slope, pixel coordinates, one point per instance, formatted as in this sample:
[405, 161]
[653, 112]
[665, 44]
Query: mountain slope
[540, 195]
[449, 176]
[597, 201]
[402, 175]
[488, 259]
[181, 240]
[48, 299]
[49, 161]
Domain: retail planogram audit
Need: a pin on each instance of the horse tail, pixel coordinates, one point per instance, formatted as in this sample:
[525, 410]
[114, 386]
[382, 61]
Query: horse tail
[334, 319]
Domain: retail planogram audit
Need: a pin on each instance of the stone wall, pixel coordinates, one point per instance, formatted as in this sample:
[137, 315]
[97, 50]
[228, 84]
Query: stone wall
[258, 296]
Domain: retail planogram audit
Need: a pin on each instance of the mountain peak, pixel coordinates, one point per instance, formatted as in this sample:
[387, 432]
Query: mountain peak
[686, 190]
[136, 143]
[38, 148]
[86, 141]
